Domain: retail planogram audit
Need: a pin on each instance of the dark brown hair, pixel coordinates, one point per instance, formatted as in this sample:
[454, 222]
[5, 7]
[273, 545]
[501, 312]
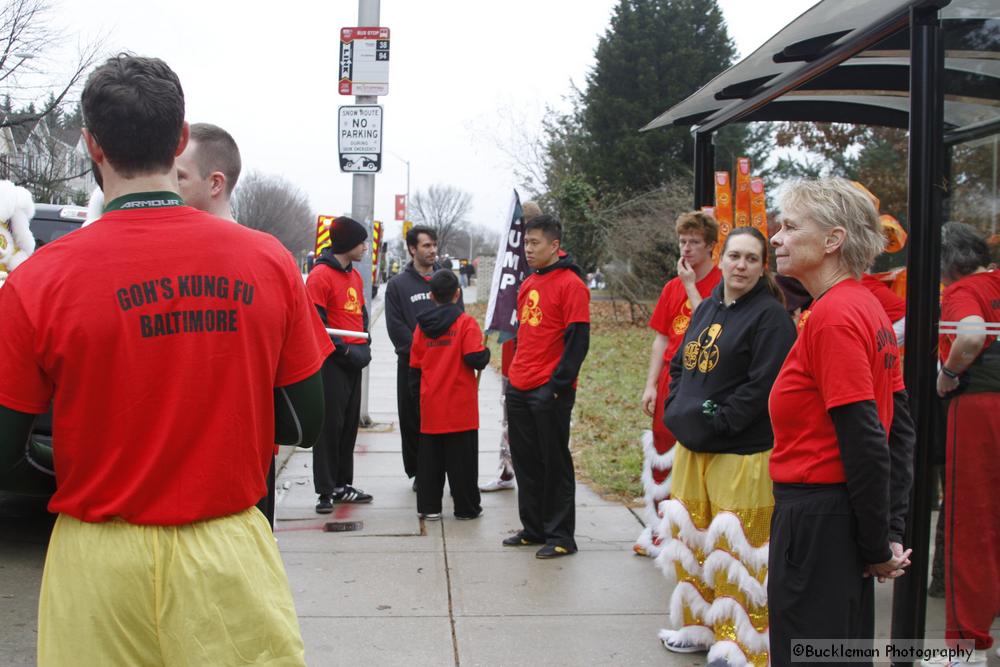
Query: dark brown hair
[772, 285]
[134, 109]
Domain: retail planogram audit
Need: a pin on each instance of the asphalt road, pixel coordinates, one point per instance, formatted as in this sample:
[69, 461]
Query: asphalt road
[24, 533]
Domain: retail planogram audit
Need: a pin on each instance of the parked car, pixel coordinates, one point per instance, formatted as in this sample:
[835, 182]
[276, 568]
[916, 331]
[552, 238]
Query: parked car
[35, 474]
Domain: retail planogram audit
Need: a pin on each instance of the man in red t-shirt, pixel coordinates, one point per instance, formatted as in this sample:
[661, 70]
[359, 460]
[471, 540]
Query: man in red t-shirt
[161, 363]
[553, 336]
[446, 352]
[338, 293]
[969, 376]
[696, 277]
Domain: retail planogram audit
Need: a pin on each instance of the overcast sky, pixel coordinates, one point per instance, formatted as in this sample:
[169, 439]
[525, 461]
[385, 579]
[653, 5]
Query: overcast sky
[461, 73]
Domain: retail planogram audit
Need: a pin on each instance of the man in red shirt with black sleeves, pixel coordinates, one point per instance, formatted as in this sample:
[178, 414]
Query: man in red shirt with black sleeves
[162, 362]
[338, 293]
[553, 337]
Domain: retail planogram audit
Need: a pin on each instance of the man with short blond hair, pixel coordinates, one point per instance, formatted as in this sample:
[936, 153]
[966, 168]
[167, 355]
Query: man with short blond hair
[697, 276]
[208, 169]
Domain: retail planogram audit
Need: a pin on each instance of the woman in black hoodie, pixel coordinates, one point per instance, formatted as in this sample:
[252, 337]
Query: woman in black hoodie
[720, 511]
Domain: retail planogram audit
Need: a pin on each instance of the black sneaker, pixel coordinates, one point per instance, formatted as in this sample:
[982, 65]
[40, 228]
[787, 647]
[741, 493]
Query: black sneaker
[469, 517]
[554, 551]
[325, 505]
[520, 540]
[351, 495]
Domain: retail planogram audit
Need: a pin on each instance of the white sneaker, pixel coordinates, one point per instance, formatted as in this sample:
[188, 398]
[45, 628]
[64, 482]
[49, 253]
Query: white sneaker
[433, 516]
[497, 485]
[682, 646]
[977, 658]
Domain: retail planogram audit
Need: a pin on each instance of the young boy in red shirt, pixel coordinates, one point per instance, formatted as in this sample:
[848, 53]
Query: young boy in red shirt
[553, 336]
[446, 351]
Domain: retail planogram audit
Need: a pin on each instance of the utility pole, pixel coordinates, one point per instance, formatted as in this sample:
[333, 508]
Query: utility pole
[363, 201]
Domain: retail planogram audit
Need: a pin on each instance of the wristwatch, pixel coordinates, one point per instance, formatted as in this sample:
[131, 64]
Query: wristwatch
[950, 373]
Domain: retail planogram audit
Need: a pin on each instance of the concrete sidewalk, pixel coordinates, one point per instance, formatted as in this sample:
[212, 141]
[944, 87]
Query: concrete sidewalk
[402, 591]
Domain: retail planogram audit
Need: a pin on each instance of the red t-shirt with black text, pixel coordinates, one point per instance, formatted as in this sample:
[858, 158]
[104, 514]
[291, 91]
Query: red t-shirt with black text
[975, 295]
[547, 303]
[846, 352]
[894, 305]
[161, 354]
[342, 295]
[449, 397]
[673, 311]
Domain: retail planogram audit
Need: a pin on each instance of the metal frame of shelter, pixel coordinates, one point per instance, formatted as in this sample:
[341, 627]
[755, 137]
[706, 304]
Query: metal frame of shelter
[900, 63]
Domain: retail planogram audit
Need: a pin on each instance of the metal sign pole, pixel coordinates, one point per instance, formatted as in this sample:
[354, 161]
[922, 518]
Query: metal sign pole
[363, 201]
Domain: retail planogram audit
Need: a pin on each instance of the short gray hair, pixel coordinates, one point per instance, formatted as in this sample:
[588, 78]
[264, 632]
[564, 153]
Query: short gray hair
[963, 250]
[836, 202]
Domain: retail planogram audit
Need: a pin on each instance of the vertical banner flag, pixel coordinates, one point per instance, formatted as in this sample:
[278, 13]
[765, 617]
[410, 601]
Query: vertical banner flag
[758, 206]
[723, 211]
[742, 192]
[508, 272]
[400, 207]
[323, 232]
[376, 247]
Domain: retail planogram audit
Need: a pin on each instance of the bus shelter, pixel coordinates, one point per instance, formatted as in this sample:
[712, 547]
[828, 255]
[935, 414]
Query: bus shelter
[929, 66]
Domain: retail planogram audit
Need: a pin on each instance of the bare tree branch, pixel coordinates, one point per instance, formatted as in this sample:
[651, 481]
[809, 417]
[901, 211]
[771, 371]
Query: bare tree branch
[444, 208]
[273, 205]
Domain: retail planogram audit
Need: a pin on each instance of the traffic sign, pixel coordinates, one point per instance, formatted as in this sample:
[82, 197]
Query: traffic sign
[364, 61]
[360, 138]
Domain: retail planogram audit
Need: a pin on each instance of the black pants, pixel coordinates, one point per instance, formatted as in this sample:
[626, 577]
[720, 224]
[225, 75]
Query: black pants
[815, 588]
[266, 504]
[333, 454]
[539, 446]
[409, 416]
[454, 454]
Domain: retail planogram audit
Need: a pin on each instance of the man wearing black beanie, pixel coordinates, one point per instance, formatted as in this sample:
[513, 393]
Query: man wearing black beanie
[336, 289]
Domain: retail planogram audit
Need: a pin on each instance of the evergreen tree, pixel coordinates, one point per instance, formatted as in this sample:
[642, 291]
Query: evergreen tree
[654, 54]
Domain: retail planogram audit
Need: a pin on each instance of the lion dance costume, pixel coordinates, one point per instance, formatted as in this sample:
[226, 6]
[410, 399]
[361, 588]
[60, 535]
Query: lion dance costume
[16, 240]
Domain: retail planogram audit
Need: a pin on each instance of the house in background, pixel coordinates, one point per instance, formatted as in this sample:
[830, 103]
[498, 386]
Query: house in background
[49, 160]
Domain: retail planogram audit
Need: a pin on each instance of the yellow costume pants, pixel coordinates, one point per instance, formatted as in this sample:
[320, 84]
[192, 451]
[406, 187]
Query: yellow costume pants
[720, 519]
[211, 593]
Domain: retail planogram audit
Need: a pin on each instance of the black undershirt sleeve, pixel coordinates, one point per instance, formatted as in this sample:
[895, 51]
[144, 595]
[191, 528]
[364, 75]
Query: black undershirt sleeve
[414, 383]
[576, 341]
[864, 451]
[298, 412]
[902, 441]
[477, 360]
[15, 427]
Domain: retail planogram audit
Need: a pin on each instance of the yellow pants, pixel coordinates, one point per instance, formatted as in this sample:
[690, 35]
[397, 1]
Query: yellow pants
[720, 517]
[210, 593]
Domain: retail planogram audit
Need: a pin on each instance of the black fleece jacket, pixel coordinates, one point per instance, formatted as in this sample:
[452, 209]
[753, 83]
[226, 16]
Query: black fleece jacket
[352, 356]
[407, 296]
[731, 355]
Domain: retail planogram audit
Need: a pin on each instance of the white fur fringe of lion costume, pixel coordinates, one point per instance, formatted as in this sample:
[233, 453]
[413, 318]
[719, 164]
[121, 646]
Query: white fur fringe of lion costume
[16, 240]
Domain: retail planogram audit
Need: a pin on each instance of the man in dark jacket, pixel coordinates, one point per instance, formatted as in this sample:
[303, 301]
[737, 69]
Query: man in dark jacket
[407, 295]
[337, 291]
